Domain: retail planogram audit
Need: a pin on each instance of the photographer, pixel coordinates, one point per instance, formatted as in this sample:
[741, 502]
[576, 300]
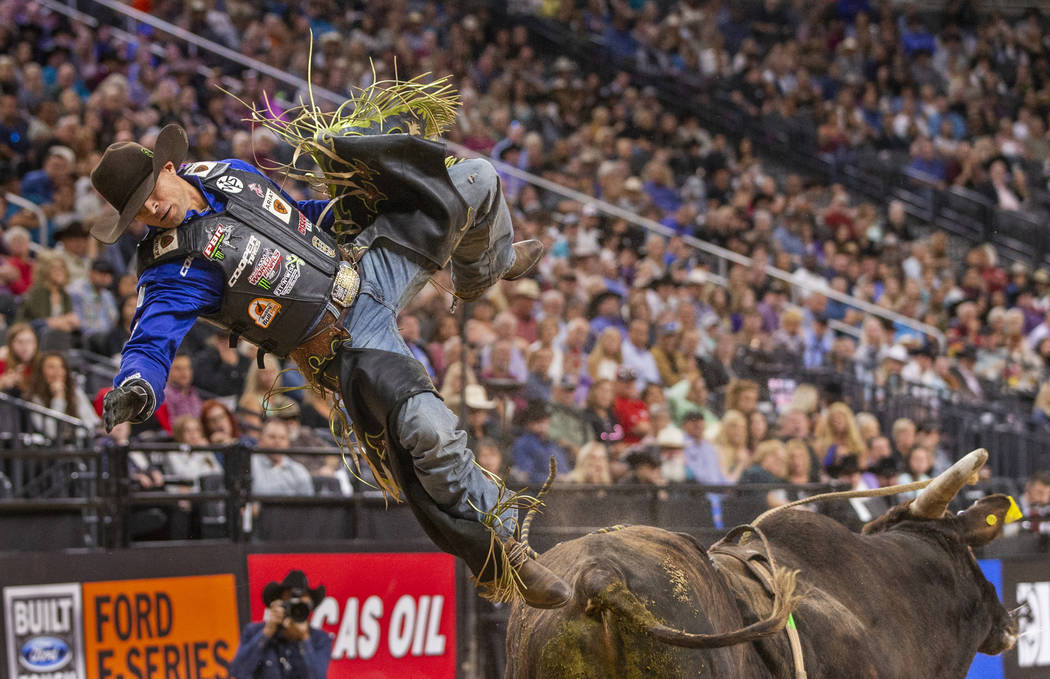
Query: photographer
[283, 645]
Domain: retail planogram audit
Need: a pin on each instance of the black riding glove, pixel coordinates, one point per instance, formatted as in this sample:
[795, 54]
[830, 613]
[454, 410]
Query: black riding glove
[132, 401]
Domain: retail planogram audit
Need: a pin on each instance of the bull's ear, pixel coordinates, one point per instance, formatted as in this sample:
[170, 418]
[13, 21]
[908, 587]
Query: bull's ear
[984, 521]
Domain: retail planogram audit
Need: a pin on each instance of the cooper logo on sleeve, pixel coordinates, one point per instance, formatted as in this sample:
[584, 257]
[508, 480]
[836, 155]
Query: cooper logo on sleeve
[250, 250]
[263, 310]
[277, 206]
[230, 184]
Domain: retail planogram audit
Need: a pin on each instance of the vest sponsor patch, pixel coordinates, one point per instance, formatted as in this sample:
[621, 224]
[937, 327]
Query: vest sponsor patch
[276, 205]
[220, 236]
[165, 242]
[186, 264]
[263, 311]
[265, 272]
[321, 246]
[250, 250]
[291, 275]
[199, 169]
[256, 189]
[305, 226]
[230, 184]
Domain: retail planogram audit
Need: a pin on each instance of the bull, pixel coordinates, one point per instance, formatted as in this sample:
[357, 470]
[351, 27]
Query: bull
[904, 599]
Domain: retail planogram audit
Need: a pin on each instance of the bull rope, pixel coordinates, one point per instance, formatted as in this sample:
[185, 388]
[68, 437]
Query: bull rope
[846, 495]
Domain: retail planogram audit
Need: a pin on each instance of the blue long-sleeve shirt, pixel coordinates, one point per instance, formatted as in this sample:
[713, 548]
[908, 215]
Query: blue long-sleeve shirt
[531, 455]
[277, 658]
[172, 295]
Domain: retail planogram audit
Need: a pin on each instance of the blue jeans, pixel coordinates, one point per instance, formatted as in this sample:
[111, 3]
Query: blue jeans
[389, 280]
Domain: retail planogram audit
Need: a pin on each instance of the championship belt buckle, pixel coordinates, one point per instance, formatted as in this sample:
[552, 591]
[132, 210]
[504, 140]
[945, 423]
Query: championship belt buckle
[347, 283]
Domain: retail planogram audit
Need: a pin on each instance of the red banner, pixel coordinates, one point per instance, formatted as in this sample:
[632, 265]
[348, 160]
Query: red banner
[393, 615]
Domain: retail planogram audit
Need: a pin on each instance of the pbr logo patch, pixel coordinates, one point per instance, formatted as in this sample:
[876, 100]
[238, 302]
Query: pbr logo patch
[305, 226]
[256, 189]
[230, 184]
[277, 206]
[250, 250]
[263, 311]
[213, 250]
[164, 243]
[291, 275]
[199, 169]
[265, 272]
[321, 246]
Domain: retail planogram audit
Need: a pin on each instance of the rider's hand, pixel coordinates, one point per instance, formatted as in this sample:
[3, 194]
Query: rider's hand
[132, 401]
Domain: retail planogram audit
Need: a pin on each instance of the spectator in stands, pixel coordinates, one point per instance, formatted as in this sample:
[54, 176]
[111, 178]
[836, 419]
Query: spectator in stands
[636, 354]
[799, 462]
[1035, 502]
[220, 426]
[690, 396]
[16, 268]
[539, 383]
[569, 427]
[790, 338]
[918, 467]
[180, 394]
[631, 412]
[111, 341]
[969, 384]
[74, 248]
[408, 326]
[742, 396]
[769, 465]
[51, 385]
[757, 429]
[531, 451]
[607, 356]
[274, 473]
[1040, 408]
[731, 444]
[19, 356]
[523, 299]
[645, 466]
[260, 387]
[93, 303]
[190, 465]
[701, 457]
[39, 185]
[220, 369]
[48, 303]
[837, 436]
[284, 644]
[592, 465]
[482, 420]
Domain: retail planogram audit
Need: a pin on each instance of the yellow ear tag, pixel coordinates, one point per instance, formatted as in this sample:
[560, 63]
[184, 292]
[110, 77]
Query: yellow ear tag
[1014, 513]
[991, 519]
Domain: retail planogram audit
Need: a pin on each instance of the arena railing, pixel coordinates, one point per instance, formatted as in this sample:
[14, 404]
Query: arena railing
[34, 209]
[722, 257]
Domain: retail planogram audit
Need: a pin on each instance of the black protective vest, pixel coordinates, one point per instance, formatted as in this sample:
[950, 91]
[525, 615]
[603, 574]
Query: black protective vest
[278, 268]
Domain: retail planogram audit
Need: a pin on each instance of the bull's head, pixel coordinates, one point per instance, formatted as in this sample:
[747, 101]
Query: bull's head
[974, 527]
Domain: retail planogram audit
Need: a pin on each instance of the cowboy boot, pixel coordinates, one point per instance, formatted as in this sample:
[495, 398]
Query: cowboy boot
[527, 254]
[541, 588]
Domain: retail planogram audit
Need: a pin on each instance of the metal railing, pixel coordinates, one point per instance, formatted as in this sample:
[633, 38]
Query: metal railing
[30, 206]
[722, 256]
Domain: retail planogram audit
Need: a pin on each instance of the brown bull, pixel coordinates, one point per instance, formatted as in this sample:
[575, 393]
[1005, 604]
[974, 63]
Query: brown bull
[904, 600]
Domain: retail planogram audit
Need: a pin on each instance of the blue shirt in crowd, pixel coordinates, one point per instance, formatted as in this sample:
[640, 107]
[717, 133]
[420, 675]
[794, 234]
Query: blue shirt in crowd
[278, 658]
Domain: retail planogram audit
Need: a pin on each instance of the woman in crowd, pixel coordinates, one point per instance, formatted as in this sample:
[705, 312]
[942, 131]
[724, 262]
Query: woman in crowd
[770, 465]
[16, 364]
[259, 386]
[919, 467]
[598, 412]
[190, 465]
[592, 465]
[742, 395]
[1040, 409]
[219, 424]
[606, 357]
[731, 444]
[48, 301]
[757, 429]
[837, 436]
[51, 385]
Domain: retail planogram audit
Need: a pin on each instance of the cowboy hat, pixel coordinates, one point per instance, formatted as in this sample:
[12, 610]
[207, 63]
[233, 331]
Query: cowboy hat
[296, 582]
[127, 174]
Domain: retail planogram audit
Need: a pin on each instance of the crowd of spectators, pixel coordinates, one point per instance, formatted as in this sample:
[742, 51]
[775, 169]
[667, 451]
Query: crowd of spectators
[960, 96]
[623, 356]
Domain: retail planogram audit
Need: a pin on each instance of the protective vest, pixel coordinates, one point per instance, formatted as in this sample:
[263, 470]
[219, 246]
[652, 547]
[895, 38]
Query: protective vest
[280, 271]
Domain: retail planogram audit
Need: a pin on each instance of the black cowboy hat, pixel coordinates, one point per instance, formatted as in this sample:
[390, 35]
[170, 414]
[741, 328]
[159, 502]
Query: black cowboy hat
[596, 301]
[127, 173]
[297, 583]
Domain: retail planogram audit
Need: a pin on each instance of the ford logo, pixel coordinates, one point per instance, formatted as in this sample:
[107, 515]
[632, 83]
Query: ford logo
[43, 654]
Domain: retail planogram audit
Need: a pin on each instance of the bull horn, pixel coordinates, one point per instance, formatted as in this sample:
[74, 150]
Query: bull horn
[934, 499]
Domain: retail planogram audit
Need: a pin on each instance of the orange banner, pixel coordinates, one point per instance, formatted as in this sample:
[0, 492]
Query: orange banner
[171, 628]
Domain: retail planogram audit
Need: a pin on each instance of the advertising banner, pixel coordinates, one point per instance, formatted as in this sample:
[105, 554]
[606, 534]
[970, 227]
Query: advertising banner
[43, 632]
[1026, 584]
[392, 615]
[176, 628]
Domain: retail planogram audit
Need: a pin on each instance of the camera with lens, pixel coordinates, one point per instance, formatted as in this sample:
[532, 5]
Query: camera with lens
[297, 608]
